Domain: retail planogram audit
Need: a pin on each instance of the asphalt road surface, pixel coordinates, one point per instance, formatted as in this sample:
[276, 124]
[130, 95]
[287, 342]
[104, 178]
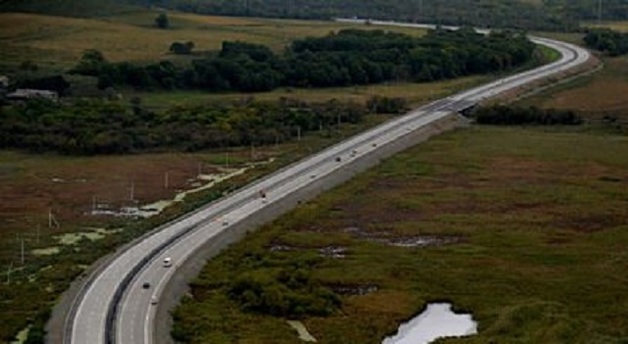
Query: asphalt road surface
[114, 306]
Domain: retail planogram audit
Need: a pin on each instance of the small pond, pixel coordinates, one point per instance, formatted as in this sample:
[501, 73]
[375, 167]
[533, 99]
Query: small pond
[437, 321]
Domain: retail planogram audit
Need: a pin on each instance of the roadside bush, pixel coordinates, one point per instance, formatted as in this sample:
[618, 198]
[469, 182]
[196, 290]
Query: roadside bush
[379, 104]
[509, 115]
[611, 42]
[291, 293]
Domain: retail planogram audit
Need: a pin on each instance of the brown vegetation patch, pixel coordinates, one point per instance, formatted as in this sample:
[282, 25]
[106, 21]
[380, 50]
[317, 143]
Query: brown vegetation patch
[510, 169]
[513, 169]
[32, 186]
[559, 239]
[588, 223]
[386, 211]
[601, 95]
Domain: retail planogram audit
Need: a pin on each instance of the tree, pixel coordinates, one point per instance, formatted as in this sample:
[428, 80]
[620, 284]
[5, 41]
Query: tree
[28, 65]
[181, 48]
[162, 21]
[91, 63]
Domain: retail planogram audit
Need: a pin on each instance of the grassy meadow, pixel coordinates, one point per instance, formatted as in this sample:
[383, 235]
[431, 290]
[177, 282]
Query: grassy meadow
[413, 93]
[57, 42]
[621, 26]
[532, 230]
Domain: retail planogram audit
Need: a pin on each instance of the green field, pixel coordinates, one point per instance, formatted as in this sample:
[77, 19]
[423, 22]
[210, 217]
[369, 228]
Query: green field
[536, 221]
[58, 42]
[413, 93]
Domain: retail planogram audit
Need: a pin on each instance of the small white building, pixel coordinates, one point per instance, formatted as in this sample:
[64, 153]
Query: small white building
[27, 93]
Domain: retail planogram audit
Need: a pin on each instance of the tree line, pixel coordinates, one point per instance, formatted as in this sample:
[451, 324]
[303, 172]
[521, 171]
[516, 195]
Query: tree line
[606, 40]
[560, 15]
[104, 127]
[348, 57]
[557, 15]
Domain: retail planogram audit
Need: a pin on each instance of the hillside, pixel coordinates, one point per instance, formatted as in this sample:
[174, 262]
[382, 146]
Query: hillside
[529, 14]
[559, 15]
[83, 8]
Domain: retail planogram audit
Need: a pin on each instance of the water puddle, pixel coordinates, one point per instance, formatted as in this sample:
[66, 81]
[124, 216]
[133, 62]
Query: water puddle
[93, 235]
[48, 251]
[304, 335]
[404, 241]
[437, 321]
[419, 241]
[20, 338]
[355, 289]
[334, 252]
[70, 239]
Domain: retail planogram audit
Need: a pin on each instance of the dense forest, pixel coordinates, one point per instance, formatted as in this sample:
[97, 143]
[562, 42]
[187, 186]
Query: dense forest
[545, 14]
[349, 57]
[612, 42]
[104, 127]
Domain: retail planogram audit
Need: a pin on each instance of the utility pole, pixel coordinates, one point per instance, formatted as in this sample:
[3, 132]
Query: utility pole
[9, 273]
[132, 192]
[22, 251]
[51, 220]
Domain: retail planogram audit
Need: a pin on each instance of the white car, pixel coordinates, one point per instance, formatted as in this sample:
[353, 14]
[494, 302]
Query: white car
[167, 262]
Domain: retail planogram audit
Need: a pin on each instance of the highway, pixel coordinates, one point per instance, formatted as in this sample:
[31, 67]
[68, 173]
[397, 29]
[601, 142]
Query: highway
[113, 306]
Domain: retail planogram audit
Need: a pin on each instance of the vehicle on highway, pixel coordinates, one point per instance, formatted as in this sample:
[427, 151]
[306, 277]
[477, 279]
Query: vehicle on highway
[146, 285]
[262, 195]
[338, 159]
[153, 300]
[167, 262]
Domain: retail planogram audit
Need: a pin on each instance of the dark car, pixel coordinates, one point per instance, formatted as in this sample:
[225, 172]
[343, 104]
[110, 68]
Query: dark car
[146, 285]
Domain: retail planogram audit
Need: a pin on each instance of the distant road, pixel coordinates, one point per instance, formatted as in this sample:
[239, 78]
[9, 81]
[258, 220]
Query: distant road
[113, 306]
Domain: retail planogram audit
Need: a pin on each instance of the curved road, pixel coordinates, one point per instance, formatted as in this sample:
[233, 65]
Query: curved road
[113, 307]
